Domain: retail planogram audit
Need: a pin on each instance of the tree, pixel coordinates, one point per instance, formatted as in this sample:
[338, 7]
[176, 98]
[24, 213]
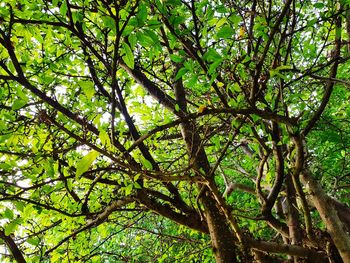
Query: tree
[142, 131]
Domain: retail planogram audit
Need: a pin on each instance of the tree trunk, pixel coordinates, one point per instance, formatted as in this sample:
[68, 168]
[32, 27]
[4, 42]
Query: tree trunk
[222, 238]
[223, 241]
[329, 215]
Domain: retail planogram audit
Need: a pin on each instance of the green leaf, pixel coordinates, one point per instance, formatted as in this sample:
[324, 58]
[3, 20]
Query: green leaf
[109, 22]
[8, 214]
[20, 93]
[212, 55]
[10, 228]
[255, 117]
[136, 177]
[5, 166]
[84, 164]
[221, 22]
[18, 103]
[147, 164]
[49, 168]
[225, 32]
[77, 17]
[137, 185]
[180, 73]
[128, 56]
[319, 5]
[128, 189]
[20, 206]
[144, 39]
[177, 107]
[63, 8]
[236, 87]
[152, 35]
[213, 66]
[142, 14]
[176, 58]
[176, 20]
[88, 88]
[343, 153]
[132, 40]
[104, 137]
[33, 241]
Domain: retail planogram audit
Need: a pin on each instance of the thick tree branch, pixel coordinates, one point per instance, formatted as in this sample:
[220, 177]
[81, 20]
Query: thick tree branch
[163, 98]
[293, 250]
[190, 220]
[329, 215]
[15, 251]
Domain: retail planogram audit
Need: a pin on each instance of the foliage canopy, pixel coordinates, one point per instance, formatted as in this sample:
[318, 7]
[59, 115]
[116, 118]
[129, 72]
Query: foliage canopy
[171, 131]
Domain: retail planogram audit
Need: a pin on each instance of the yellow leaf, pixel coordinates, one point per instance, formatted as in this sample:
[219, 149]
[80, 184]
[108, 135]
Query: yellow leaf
[201, 108]
[220, 84]
[241, 32]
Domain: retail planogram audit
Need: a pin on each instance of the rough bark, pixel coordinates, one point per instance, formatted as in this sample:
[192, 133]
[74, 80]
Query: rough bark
[292, 216]
[343, 213]
[222, 238]
[329, 215]
[292, 250]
